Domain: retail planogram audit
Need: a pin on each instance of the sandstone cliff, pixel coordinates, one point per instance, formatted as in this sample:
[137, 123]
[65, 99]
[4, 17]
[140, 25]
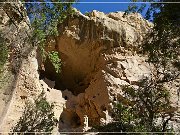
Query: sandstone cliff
[20, 78]
[21, 68]
[98, 54]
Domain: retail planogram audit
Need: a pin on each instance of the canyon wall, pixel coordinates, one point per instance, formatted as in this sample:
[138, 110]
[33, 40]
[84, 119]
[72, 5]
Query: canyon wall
[19, 80]
[98, 53]
[99, 56]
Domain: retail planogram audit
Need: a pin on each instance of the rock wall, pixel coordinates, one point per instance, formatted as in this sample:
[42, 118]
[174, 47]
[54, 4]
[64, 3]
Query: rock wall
[98, 53]
[83, 41]
[20, 78]
[21, 64]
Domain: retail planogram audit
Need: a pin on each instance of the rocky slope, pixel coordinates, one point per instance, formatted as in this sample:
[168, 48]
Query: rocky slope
[21, 65]
[98, 54]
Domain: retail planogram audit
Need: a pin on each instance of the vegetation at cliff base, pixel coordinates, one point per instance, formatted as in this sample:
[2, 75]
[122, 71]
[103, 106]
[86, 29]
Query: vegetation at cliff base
[143, 109]
[148, 108]
[37, 117]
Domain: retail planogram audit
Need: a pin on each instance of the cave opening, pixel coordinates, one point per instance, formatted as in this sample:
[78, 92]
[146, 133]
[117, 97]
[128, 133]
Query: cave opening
[69, 120]
[74, 82]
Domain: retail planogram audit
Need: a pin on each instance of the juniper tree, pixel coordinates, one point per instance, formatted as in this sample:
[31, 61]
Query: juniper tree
[45, 16]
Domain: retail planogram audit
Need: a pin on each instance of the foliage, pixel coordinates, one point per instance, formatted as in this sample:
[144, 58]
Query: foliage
[87, 13]
[140, 113]
[148, 102]
[151, 100]
[45, 16]
[163, 42]
[55, 60]
[37, 117]
[124, 113]
[113, 127]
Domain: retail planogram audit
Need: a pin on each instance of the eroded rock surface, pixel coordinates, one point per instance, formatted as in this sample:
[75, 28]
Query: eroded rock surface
[98, 53]
[99, 56]
[21, 65]
[19, 81]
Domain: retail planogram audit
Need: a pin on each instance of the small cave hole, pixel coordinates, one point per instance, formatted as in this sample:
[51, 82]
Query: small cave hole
[42, 74]
[23, 97]
[77, 120]
[48, 89]
[65, 97]
[113, 115]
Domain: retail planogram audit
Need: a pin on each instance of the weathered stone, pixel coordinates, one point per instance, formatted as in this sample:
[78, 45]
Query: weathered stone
[99, 56]
[21, 65]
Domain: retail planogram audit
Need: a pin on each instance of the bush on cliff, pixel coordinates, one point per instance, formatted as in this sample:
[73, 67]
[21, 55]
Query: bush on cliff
[37, 117]
[151, 100]
[146, 109]
[44, 17]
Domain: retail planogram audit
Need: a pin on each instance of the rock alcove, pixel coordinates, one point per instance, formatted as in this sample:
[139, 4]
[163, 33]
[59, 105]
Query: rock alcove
[74, 81]
[97, 58]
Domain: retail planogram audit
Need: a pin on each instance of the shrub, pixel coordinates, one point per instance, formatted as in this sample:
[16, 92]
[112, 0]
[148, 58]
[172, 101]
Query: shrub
[55, 60]
[44, 19]
[37, 117]
[139, 114]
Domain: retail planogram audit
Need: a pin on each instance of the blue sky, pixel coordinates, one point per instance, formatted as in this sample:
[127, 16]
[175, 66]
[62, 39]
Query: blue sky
[103, 7]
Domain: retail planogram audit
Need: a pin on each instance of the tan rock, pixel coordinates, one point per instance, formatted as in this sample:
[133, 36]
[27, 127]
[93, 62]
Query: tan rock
[98, 55]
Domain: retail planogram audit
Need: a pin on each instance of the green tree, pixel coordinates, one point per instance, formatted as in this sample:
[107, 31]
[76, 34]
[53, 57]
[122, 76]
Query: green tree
[151, 100]
[54, 58]
[45, 16]
[140, 109]
[37, 117]
[163, 43]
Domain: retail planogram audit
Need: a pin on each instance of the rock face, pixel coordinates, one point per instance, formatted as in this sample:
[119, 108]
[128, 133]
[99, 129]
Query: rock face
[99, 56]
[21, 65]
[20, 78]
[98, 53]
